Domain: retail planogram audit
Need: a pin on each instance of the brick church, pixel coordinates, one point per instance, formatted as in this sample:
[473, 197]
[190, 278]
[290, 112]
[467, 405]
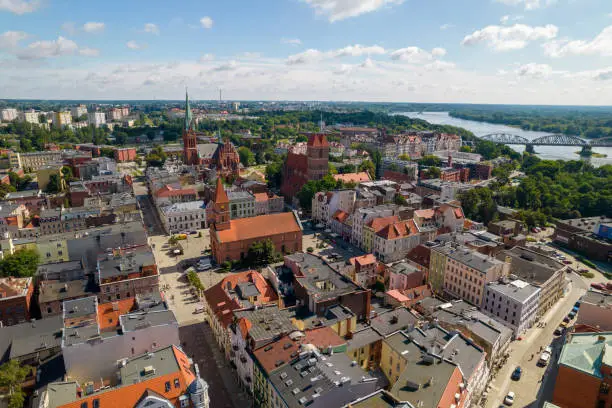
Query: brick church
[221, 156]
[301, 168]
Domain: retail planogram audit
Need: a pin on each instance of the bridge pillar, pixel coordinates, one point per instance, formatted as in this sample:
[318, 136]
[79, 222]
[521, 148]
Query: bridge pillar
[586, 151]
[529, 148]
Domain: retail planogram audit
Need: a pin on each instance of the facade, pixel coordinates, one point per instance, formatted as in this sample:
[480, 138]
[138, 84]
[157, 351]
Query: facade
[268, 203]
[401, 276]
[364, 270]
[44, 174]
[15, 298]
[464, 272]
[29, 117]
[326, 204]
[584, 377]
[53, 294]
[169, 194]
[8, 115]
[123, 275]
[78, 111]
[595, 311]
[395, 240]
[187, 216]
[538, 270]
[50, 221]
[585, 235]
[62, 119]
[96, 119]
[514, 303]
[230, 239]
[299, 168]
[125, 154]
[34, 160]
[242, 204]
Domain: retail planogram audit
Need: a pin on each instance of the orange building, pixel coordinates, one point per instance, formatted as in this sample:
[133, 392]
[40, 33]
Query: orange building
[230, 239]
[125, 154]
[584, 378]
[15, 298]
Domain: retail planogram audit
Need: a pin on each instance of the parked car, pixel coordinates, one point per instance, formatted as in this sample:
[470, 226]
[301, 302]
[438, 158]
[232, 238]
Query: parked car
[544, 358]
[516, 374]
[598, 286]
[566, 261]
[559, 330]
[509, 400]
[566, 319]
[193, 232]
[571, 314]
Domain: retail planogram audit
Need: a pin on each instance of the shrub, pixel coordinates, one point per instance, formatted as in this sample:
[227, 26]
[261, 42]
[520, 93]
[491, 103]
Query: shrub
[587, 262]
[310, 249]
[227, 265]
[588, 275]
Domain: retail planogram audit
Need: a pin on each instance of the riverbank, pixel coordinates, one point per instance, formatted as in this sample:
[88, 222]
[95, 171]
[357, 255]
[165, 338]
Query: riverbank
[596, 155]
[481, 129]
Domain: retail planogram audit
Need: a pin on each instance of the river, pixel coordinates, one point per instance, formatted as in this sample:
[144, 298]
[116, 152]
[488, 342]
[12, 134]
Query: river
[484, 128]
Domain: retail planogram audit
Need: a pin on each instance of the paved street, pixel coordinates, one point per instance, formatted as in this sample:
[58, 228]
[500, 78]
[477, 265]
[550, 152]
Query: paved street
[529, 390]
[196, 336]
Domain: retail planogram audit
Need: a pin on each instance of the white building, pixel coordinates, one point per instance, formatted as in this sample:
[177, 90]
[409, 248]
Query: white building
[30, 117]
[183, 216]
[325, 204]
[394, 241]
[8, 115]
[78, 111]
[62, 119]
[363, 215]
[96, 118]
[242, 204]
[513, 303]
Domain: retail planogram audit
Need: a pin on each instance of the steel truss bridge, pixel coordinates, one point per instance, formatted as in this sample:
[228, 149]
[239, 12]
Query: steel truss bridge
[547, 140]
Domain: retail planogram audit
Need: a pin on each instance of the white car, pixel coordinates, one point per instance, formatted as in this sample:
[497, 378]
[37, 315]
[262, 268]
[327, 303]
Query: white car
[509, 400]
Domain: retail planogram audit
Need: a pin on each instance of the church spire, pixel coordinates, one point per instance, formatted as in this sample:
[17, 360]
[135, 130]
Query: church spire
[188, 114]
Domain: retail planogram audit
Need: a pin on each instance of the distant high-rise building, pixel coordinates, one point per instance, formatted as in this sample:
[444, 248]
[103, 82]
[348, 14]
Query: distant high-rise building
[78, 111]
[30, 117]
[9, 114]
[96, 118]
[61, 119]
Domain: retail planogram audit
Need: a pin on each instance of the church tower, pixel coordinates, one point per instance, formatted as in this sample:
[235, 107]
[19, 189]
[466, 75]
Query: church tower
[221, 214]
[317, 151]
[190, 148]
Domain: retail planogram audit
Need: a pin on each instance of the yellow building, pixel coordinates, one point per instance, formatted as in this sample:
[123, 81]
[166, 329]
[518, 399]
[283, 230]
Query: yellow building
[392, 362]
[44, 174]
[48, 251]
[364, 347]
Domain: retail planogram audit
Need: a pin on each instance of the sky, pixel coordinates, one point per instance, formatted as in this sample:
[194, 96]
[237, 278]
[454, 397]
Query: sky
[465, 51]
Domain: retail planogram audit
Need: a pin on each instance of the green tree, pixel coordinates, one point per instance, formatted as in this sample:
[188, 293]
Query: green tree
[301, 139]
[247, 158]
[262, 253]
[465, 148]
[23, 263]
[274, 173]
[151, 134]
[369, 167]
[400, 200]
[12, 375]
[430, 161]
[434, 172]
[55, 184]
[404, 157]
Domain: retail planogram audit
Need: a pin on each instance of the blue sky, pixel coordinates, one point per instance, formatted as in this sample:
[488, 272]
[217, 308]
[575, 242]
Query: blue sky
[479, 51]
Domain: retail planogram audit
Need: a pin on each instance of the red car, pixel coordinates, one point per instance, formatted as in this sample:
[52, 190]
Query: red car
[599, 286]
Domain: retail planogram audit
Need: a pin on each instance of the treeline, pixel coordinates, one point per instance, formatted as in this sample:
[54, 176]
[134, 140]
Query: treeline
[585, 123]
[550, 189]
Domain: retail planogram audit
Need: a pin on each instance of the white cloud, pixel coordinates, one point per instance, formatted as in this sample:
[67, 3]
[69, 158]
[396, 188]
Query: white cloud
[336, 10]
[151, 28]
[368, 63]
[133, 45]
[444, 27]
[440, 65]
[89, 52]
[601, 45]
[207, 58]
[508, 18]
[304, 57]
[356, 50]
[47, 49]
[534, 70]
[416, 55]
[249, 55]
[291, 41]
[19, 6]
[10, 39]
[68, 27]
[514, 37]
[528, 4]
[206, 22]
[228, 66]
[93, 27]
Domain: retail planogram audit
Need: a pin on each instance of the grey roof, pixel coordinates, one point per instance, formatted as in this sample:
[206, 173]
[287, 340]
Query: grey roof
[180, 207]
[315, 270]
[150, 301]
[238, 195]
[389, 322]
[57, 267]
[462, 314]
[451, 346]
[404, 268]
[51, 291]
[27, 338]
[267, 322]
[207, 150]
[80, 307]
[77, 335]
[140, 320]
[597, 298]
[125, 264]
[315, 380]
[362, 338]
[517, 290]
[469, 257]
[58, 394]
[531, 266]
[6, 209]
[22, 194]
[413, 384]
[587, 223]
[163, 361]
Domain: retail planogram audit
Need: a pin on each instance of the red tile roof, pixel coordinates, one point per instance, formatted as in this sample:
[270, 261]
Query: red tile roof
[323, 337]
[108, 313]
[379, 223]
[424, 213]
[397, 295]
[222, 304]
[366, 259]
[353, 177]
[341, 216]
[458, 212]
[317, 140]
[128, 395]
[261, 226]
[420, 255]
[398, 230]
[261, 197]
[169, 191]
[220, 194]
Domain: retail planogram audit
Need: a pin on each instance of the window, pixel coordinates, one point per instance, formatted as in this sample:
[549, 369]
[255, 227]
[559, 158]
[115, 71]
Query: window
[84, 405]
[168, 386]
[96, 403]
[177, 384]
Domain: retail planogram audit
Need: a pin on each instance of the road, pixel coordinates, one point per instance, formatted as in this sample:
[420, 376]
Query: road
[196, 336]
[529, 390]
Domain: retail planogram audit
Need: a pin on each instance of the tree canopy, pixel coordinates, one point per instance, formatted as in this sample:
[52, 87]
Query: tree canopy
[23, 263]
[12, 376]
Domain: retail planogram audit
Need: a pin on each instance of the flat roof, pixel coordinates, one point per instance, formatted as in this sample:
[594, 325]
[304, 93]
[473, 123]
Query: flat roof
[140, 320]
[81, 307]
[125, 264]
[27, 338]
[398, 319]
[267, 322]
[51, 291]
[517, 290]
[531, 266]
[469, 257]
